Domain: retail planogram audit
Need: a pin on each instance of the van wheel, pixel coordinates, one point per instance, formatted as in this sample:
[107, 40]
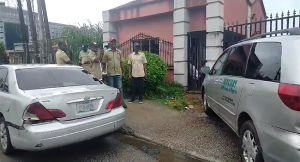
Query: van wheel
[5, 142]
[250, 148]
[207, 109]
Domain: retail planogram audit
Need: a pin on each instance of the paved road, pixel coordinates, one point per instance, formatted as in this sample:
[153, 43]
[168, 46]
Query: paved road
[97, 150]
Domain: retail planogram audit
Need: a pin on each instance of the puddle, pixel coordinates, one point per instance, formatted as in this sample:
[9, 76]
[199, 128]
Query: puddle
[161, 153]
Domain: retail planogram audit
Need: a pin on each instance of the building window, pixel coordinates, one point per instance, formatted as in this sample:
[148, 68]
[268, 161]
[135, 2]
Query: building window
[149, 45]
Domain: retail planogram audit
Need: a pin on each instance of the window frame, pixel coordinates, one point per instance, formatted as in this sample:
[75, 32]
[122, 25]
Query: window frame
[247, 59]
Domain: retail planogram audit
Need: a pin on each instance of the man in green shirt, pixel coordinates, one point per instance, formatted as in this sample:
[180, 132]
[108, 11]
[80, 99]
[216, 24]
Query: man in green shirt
[114, 62]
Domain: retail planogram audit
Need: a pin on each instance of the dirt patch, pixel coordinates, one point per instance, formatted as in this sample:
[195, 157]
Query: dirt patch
[195, 103]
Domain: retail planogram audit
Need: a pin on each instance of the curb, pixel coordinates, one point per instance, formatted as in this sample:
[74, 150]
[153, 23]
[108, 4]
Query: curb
[189, 153]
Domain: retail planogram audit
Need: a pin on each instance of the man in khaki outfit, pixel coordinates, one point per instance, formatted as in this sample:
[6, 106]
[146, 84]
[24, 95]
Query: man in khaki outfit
[84, 58]
[61, 57]
[114, 62]
[95, 58]
[137, 71]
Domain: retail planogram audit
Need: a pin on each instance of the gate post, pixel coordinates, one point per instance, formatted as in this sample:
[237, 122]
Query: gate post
[214, 29]
[109, 28]
[181, 26]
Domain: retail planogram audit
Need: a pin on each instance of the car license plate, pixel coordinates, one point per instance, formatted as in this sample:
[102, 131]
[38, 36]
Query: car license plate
[85, 107]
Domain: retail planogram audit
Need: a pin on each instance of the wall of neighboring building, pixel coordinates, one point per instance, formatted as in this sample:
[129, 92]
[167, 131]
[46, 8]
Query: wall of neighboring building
[2, 35]
[197, 19]
[156, 26]
[258, 10]
[241, 11]
[235, 11]
[10, 15]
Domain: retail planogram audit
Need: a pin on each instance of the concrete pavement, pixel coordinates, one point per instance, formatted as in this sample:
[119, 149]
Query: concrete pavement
[97, 150]
[190, 131]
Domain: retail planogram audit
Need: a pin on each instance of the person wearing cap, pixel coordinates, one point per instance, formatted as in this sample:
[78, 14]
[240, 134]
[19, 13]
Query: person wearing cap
[55, 48]
[105, 47]
[84, 58]
[113, 63]
[95, 58]
[137, 71]
[61, 57]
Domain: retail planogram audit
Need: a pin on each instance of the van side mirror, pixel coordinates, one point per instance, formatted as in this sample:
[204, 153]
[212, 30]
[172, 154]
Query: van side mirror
[205, 69]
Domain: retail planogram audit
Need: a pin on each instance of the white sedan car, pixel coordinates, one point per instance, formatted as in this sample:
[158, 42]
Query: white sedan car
[48, 106]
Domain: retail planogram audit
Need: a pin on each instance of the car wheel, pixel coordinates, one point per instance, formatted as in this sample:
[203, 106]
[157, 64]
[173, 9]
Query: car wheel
[207, 109]
[250, 148]
[5, 142]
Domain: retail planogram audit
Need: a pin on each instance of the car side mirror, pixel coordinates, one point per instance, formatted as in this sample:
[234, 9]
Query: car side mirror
[205, 69]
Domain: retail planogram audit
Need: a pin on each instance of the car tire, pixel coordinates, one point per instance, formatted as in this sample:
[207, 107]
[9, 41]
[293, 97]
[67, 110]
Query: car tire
[249, 143]
[207, 109]
[7, 148]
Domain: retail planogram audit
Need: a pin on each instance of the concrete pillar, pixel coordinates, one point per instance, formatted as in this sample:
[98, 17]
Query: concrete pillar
[214, 29]
[181, 26]
[109, 28]
[249, 15]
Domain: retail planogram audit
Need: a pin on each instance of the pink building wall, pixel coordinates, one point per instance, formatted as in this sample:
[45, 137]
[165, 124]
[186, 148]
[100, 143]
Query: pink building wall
[155, 17]
[198, 19]
[157, 26]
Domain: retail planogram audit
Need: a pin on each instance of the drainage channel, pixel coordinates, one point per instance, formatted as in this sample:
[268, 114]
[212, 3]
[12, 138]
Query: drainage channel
[161, 153]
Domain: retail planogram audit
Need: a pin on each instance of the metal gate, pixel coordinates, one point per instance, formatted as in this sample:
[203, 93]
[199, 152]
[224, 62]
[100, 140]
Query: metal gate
[196, 59]
[236, 31]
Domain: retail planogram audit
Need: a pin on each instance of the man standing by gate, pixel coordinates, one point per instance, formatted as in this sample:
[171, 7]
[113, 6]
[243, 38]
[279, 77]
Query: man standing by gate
[114, 62]
[137, 71]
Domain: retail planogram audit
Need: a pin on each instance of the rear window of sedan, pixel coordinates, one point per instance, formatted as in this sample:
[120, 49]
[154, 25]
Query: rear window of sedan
[42, 78]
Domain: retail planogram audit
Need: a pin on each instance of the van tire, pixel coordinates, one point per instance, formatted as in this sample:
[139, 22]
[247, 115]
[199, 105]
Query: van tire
[249, 127]
[9, 148]
[207, 110]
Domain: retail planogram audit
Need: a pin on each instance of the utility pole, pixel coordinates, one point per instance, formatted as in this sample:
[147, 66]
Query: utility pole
[24, 32]
[42, 31]
[33, 32]
[47, 30]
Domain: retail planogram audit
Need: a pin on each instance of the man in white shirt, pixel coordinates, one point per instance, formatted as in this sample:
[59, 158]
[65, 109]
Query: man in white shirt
[137, 71]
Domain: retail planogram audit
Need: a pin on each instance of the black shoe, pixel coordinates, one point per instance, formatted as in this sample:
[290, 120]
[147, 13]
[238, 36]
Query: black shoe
[131, 101]
[124, 105]
[140, 101]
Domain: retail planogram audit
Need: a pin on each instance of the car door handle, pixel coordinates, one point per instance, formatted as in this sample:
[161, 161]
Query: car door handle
[218, 81]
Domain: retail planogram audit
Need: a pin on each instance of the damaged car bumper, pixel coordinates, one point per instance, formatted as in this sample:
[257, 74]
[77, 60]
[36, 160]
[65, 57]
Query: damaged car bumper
[56, 134]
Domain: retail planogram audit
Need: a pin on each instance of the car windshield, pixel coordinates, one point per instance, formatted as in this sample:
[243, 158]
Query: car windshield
[42, 78]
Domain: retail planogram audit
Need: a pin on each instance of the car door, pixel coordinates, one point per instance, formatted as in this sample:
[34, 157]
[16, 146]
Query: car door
[4, 101]
[211, 82]
[231, 83]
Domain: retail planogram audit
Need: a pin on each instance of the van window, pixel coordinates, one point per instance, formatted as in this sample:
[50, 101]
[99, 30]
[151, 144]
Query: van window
[265, 62]
[217, 68]
[235, 65]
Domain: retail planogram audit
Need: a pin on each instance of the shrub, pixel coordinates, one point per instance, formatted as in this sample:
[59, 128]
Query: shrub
[83, 33]
[156, 87]
[171, 94]
[156, 73]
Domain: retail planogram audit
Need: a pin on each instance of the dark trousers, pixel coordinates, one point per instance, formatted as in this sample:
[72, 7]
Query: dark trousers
[137, 85]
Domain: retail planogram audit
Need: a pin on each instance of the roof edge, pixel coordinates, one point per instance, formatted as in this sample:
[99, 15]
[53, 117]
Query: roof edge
[133, 3]
[261, 3]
